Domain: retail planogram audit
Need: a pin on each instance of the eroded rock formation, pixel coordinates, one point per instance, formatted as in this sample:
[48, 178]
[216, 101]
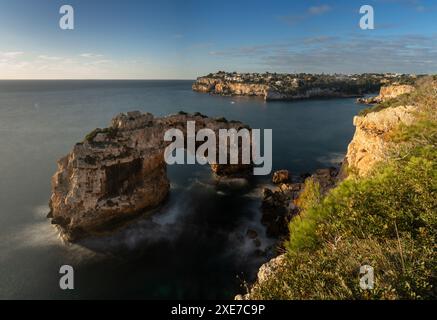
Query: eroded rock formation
[118, 172]
[371, 142]
[279, 205]
[292, 91]
[388, 92]
[369, 146]
[220, 87]
[265, 272]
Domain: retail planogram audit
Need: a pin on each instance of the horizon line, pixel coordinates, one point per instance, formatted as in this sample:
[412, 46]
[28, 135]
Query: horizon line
[193, 79]
[115, 79]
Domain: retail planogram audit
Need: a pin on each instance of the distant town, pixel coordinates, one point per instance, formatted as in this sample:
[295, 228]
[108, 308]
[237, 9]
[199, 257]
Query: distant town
[277, 86]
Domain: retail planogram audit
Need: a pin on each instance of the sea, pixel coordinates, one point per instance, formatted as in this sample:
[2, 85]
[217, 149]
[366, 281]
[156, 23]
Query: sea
[195, 246]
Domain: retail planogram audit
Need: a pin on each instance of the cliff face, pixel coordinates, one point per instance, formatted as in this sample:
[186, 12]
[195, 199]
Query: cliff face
[266, 91]
[241, 89]
[370, 143]
[266, 271]
[387, 93]
[220, 87]
[205, 84]
[390, 92]
[119, 172]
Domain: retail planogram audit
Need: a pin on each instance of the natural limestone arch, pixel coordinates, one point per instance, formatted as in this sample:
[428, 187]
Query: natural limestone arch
[119, 172]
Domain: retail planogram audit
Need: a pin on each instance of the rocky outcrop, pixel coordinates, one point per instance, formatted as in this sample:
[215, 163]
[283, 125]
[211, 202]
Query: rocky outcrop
[241, 89]
[370, 145]
[264, 273]
[388, 92]
[371, 142]
[205, 84]
[278, 208]
[271, 92]
[279, 205]
[118, 172]
[228, 88]
[281, 176]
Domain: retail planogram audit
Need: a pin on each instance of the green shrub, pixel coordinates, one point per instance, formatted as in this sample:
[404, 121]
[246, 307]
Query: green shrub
[111, 133]
[332, 272]
[302, 226]
[387, 220]
[90, 136]
[221, 119]
[424, 95]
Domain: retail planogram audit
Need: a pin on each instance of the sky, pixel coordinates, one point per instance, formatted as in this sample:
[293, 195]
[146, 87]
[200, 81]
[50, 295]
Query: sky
[184, 39]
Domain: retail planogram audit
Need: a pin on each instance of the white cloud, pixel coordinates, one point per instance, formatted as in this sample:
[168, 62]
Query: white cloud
[11, 54]
[350, 54]
[97, 62]
[44, 57]
[84, 66]
[90, 55]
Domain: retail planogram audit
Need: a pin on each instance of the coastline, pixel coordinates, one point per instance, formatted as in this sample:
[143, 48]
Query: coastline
[368, 152]
[293, 87]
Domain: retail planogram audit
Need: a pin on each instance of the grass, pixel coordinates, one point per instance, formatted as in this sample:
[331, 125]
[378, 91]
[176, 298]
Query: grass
[110, 132]
[425, 91]
[222, 119]
[387, 219]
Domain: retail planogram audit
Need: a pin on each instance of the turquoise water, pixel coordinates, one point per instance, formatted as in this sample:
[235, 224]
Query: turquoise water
[195, 246]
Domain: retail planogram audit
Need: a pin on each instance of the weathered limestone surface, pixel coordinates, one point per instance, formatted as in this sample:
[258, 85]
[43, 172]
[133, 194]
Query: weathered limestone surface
[267, 92]
[388, 92]
[118, 172]
[220, 87]
[370, 143]
[266, 271]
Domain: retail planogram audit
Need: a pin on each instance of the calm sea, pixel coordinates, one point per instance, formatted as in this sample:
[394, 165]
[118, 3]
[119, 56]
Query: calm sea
[196, 245]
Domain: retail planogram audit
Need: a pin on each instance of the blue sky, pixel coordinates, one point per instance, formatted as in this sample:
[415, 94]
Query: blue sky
[165, 39]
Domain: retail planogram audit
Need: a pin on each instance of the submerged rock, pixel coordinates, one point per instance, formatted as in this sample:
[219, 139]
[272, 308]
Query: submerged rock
[119, 172]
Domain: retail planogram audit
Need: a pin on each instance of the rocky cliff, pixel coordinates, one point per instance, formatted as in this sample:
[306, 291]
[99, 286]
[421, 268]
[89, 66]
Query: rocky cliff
[269, 91]
[279, 205]
[371, 142]
[388, 92]
[118, 172]
[221, 87]
[370, 145]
